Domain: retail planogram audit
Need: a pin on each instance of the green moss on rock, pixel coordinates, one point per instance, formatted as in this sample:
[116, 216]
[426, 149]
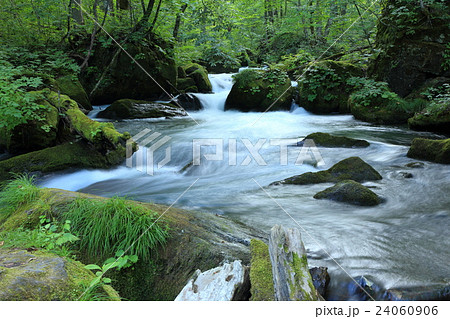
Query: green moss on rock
[434, 118]
[261, 278]
[70, 155]
[324, 89]
[195, 76]
[351, 192]
[70, 85]
[43, 276]
[430, 150]
[328, 140]
[353, 168]
[257, 90]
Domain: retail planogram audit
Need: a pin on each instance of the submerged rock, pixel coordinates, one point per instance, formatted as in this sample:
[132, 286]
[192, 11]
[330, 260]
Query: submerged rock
[225, 283]
[430, 150]
[261, 278]
[189, 102]
[43, 276]
[291, 277]
[353, 168]
[328, 140]
[257, 90]
[436, 293]
[323, 89]
[415, 165]
[132, 109]
[321, 279]
[351, 192]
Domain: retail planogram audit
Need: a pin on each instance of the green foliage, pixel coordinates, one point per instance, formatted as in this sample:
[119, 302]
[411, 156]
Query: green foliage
[320, 77]
[254, 80]
[292, 62]
[17, 192]
[369, 89]
[106, 226]
[446, 62]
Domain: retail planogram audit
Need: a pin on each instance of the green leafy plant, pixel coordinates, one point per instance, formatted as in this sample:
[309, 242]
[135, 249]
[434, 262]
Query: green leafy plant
[107, 226]
[16, 192]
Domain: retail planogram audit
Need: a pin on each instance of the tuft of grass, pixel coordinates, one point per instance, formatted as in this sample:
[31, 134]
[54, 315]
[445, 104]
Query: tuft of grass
[17, 192]
[107, 226]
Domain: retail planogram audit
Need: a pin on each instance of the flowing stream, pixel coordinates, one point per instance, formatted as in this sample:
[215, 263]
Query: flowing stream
[400, 243]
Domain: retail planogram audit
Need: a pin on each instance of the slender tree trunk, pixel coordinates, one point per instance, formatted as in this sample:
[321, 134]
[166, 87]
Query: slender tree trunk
[178, 21]
[155, 18]
[76, 12]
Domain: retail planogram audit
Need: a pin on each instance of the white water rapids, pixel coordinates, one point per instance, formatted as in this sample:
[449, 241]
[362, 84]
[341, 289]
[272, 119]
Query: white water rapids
[402, 242]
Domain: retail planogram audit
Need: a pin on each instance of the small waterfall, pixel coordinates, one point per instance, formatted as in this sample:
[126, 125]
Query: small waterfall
[221, 87]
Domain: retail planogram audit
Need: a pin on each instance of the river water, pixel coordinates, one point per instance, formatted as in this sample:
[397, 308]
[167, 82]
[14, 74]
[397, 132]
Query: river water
[400, 243]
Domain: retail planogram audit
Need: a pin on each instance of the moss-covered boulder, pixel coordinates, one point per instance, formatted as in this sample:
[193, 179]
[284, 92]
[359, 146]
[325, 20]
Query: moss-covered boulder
[323, 89]
[43, 276]
[434, 118]
[85, 143]
[193, 78]
[328, 140]
[196, 241]
[70, 85]
[261, 278]
[257, 90]
[376, 103]
[350, 192]
[132, 109]
[430, 150]
[412, 39]
[112, 75]
[353, 168]
[79, 154]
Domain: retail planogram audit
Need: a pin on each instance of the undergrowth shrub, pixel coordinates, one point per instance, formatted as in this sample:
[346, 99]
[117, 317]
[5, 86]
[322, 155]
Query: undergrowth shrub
[107, 226]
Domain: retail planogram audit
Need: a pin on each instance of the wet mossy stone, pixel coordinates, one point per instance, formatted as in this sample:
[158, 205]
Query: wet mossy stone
[411, 43]
[81, 154]
[70, 85]
[261, 278]
[434, 118]
[43, 276]
[132, 109]
[199, 78]
[186, 85]
[430, 150]
[257, 90]
[350, 192]
[353, 168]
[328, 140]
[382, 106]
[323, 89]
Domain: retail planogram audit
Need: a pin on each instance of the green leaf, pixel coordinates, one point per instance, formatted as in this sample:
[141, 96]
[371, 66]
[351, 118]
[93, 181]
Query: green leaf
[92, 267]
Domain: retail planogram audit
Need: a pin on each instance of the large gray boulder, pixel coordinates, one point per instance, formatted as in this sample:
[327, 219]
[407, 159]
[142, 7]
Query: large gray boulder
[291, 276]
[225, 283]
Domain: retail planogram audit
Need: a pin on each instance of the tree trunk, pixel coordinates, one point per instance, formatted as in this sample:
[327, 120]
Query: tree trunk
[76, 12]
[178, 21]
[155, 17]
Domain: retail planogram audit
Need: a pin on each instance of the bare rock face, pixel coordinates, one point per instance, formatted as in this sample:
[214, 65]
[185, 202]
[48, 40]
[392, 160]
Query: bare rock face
[291, 276]
[226, 283]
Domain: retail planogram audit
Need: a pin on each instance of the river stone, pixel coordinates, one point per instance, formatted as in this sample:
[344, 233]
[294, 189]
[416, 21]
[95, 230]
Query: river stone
[132, 109]
[433, 293]
[189, 102]
[261, 278]
[353, 168]
[350, 192]
[291, 277]
[328, 140]
[321, 279]
[225, 283]
[43, 276]
[430, 150]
